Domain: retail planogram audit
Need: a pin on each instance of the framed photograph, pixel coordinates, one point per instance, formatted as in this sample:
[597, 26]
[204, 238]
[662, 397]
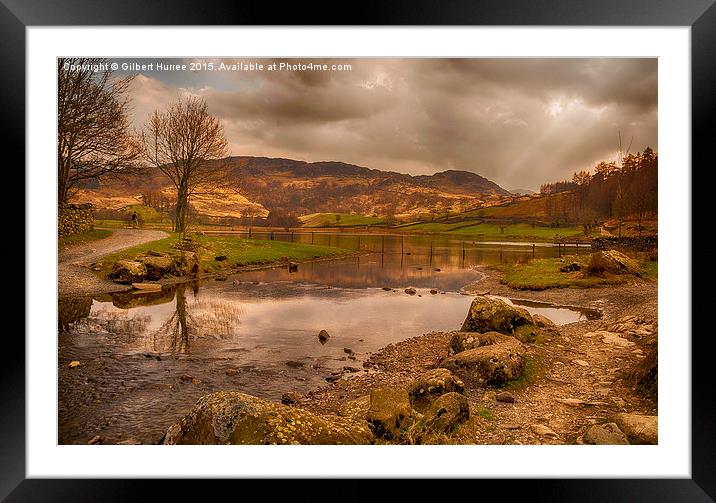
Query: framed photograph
[425, 245]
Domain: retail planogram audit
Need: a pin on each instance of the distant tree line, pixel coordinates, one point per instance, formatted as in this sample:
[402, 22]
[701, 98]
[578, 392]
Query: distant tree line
[613, 190]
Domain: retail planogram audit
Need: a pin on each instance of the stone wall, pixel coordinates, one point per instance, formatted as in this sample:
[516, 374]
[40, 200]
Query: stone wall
[74, 219]
[636, 243]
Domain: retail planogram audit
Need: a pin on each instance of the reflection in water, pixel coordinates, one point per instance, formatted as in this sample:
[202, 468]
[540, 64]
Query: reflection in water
[213, 318]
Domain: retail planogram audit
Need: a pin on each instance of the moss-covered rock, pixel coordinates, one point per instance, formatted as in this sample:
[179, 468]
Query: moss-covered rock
[389, 411]
[489, 314]
[488, 365]
[447, 412]
[426, 388]
[232, 417]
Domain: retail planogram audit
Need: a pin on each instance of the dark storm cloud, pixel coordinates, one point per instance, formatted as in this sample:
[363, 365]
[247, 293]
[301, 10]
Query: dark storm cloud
[519, 122]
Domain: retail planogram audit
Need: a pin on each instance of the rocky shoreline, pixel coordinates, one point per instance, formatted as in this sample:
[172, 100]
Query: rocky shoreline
[533, 383]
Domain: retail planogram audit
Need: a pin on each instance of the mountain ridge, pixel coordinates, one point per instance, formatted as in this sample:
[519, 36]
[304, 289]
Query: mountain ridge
[263, 184]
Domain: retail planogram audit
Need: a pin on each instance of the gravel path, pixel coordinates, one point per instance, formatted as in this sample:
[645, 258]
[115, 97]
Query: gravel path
[74, 277]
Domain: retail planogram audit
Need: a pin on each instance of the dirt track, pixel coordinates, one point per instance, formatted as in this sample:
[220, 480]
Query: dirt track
[74, 276]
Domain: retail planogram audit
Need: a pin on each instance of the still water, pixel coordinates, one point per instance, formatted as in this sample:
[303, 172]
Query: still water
[146, 358]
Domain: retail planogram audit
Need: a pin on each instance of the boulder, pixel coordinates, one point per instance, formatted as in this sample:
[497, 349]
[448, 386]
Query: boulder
[639, 429]
[158, 266]
[542, 321]
[488, 365]
[431, 385]
[614, 262]
[232, 417]
[128, 272]
[488, 314]
[447, 412]
[462, 341]
[389, 411]
[605, 434]
[411, 291]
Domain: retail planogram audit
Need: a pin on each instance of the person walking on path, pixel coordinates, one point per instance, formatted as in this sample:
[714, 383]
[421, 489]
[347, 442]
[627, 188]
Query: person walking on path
[135, 220]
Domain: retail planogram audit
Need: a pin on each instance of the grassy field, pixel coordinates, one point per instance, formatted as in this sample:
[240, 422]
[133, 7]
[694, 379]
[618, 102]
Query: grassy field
[493, 232]
[541, 274]
[238, 252]
[338, 220]
[85, 237]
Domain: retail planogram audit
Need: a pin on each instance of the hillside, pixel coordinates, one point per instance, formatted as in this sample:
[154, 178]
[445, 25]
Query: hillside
[259, 185]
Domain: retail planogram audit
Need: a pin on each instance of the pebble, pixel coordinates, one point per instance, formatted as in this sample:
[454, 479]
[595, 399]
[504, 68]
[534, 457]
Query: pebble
[231, 372]
[73, 364]
[506, 397]
[94, 440]
[543, 431]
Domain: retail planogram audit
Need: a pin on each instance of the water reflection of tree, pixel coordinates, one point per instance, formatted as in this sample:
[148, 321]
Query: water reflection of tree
[206, 319]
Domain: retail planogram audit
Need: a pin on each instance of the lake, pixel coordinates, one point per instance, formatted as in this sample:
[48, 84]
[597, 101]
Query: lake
[146, 358]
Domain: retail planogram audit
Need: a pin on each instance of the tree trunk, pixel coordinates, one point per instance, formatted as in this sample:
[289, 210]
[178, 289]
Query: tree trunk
[181, 210]
[62, 179]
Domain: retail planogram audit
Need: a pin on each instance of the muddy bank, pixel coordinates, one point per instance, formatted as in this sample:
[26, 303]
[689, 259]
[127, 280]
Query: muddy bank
[575, 378]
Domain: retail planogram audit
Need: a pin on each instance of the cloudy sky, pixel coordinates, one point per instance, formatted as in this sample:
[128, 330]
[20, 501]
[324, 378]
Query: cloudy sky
[519, 122]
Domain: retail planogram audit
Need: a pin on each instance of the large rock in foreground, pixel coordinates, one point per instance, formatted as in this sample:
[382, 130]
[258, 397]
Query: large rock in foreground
[389, 411]
[639, 429]
[425, 389]
[128, 272]
[447, 412]
[613, 262]
[489, 365]
[487, 315]
[231, 417]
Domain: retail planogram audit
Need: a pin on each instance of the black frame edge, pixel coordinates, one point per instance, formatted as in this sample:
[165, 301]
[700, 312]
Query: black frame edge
[699, 14]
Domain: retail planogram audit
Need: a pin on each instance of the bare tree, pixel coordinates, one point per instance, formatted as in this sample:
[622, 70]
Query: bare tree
[182, 142]
[93, 134]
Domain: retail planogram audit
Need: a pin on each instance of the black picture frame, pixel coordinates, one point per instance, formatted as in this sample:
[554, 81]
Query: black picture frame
[700, 15]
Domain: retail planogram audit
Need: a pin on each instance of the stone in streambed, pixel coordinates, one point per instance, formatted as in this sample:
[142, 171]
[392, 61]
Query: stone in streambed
[487, 314]
[323, 336]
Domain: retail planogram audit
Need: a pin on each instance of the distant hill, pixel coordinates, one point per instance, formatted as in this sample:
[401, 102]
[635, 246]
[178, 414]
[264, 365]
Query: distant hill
[522, 192]
[261, 184]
